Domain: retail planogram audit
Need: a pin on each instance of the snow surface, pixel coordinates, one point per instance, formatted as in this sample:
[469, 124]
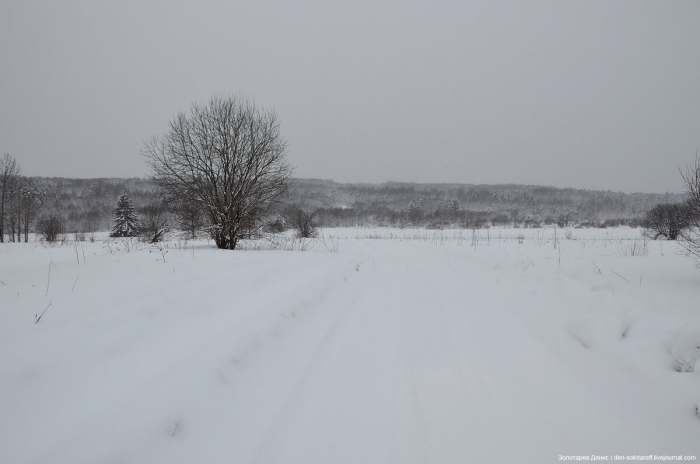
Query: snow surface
[373, 346]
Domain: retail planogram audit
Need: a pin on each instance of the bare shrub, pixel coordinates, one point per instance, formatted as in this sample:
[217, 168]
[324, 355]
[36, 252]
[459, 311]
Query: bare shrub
[277, 224]
[50, 227]
[304, 223]
[667, 220]
[154, 222]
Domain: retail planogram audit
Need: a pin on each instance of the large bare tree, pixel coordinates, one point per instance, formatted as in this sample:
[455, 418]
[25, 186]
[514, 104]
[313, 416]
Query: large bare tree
[689, 238]
[228, 158]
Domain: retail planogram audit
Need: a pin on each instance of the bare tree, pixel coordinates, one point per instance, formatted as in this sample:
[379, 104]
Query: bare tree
[9, 176]
[31, 198]
[228, 158]
[15, 211]
[154, 222]
[23, 201]
[667, 220]
[689, 238]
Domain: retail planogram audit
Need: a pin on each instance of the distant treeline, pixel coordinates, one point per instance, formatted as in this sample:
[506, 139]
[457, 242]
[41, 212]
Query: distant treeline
[470, 206]
[87, 205]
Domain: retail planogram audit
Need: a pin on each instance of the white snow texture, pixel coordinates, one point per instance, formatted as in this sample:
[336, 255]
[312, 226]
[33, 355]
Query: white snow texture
[372, 346]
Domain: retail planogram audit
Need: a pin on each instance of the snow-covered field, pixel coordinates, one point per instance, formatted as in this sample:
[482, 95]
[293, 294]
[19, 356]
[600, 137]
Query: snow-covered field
[373, 346]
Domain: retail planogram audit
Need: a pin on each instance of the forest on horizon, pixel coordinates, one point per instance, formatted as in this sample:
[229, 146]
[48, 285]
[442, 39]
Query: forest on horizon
[87, 205]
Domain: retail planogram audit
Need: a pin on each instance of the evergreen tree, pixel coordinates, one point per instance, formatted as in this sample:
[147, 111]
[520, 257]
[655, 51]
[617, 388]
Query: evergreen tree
[125, 220]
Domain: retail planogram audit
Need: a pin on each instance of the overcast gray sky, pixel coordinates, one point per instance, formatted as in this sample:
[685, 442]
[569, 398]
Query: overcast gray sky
[589, 94]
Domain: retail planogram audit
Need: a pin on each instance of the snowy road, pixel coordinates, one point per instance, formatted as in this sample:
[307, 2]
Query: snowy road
[383, 353]
[427, 363]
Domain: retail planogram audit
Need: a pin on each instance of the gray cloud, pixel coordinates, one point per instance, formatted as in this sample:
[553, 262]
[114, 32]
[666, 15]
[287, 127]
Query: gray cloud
[591, 94]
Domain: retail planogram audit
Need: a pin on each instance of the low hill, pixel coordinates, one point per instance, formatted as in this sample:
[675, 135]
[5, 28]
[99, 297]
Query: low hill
[87, 204]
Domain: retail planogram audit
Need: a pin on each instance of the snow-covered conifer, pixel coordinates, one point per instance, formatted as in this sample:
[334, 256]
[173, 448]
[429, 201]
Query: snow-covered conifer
[125, 220]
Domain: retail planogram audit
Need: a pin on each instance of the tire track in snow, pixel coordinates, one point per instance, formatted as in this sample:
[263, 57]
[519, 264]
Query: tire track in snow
[273, 440]
[409, 437]
[454, 421]
[181, 373]
[344, 399]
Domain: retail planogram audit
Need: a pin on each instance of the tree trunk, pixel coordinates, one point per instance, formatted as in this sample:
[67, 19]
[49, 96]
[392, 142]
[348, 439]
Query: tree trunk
[19, 218]
[2, 211]
[26, 225]
[221, 241]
